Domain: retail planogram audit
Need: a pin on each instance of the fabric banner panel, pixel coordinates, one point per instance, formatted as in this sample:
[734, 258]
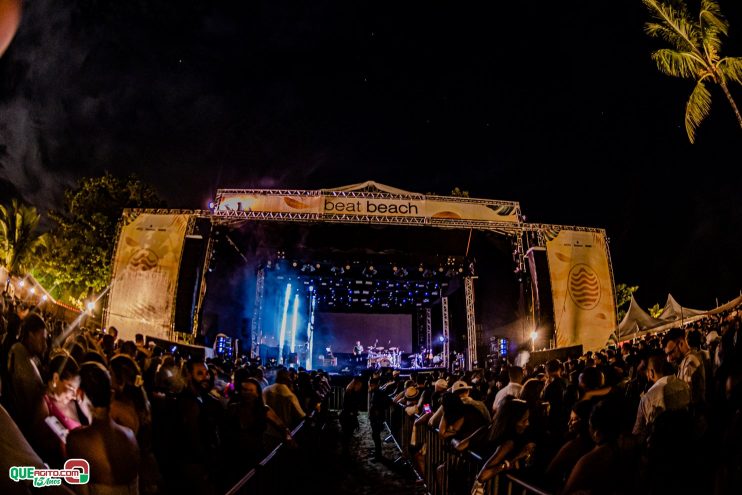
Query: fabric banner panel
[582, 289]
[145, 275]
[328, 204]
[270, 203]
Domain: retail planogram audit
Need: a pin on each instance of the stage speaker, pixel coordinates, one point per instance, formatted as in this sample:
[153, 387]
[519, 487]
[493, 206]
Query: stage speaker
[543, 302]
[189, 276]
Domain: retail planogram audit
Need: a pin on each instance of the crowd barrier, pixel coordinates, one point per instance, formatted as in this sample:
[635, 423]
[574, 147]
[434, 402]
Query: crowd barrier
[269, 476]
[335, 398]
[444, 470]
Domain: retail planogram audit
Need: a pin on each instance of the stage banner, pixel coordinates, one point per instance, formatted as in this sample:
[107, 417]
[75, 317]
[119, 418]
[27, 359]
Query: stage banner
[145, 274]
[582, 289]
[321, 204]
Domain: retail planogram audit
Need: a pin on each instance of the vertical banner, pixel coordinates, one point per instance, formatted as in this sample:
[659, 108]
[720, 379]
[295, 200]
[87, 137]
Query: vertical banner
[145, 275]
[582, 289]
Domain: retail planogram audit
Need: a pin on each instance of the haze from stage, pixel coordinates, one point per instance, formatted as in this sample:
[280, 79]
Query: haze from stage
[341, 330]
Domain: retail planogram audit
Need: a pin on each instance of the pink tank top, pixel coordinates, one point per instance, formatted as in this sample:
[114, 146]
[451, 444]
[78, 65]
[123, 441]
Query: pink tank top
[68, 423]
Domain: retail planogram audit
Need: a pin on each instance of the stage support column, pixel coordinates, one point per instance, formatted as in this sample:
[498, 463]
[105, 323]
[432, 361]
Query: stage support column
[428, 330]
[471, 326]
[446, 348]
[202, 289]
[257, 317]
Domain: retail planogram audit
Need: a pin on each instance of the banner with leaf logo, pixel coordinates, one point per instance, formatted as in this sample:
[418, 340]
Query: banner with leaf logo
[145, 275]
[582, 289]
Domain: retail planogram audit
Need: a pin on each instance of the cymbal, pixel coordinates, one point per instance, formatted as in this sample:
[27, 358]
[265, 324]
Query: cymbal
[394, 348]
[379, 348]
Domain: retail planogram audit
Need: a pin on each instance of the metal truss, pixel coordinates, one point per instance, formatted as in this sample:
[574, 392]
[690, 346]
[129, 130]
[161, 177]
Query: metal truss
[504, 228]
[257, 318]
[446, 344]
[428, 330]
[202, 287]
[471, 325]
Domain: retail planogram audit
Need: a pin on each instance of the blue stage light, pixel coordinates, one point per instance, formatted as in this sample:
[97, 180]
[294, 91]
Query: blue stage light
[294, 319]
[282, 335]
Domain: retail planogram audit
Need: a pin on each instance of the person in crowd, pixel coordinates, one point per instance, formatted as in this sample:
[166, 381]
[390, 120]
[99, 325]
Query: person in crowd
[378, 406]
[248, 421]
[131, 407]
[507, 445]
[16, 451]
[513, 388]
[60, 413]
[538, 416]
[197, 442]
[352, 404]
[595, 471]
[554, 394]
[111, 449]
[667, 393]
[282, 399]
[690, 366]
[460, 420]
[26, 386]
[578, 444]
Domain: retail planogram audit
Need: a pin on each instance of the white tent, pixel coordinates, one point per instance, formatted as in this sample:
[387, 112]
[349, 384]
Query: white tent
[636, 320]
[674, 311]
[737, 301]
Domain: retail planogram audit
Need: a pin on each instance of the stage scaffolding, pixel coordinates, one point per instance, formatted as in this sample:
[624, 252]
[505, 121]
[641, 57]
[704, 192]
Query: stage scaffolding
[523, 236]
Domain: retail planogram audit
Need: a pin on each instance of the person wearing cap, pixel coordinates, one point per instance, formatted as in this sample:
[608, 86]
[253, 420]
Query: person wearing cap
[461, 415]
[463, 390]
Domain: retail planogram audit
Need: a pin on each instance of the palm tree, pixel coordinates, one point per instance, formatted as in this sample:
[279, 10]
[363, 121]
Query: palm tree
[696, 44]
[19, 238]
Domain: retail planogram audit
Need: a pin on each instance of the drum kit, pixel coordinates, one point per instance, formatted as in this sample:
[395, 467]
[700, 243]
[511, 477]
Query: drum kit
[381, 357]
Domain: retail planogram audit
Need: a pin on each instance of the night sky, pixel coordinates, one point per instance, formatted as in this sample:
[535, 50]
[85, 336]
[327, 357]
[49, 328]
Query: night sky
[556, 105]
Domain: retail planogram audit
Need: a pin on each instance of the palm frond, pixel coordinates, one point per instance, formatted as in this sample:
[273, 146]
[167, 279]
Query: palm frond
[678, 64]
[677, 19]
[731, 68]
[710, 15]
[657, 30]
[697, 109]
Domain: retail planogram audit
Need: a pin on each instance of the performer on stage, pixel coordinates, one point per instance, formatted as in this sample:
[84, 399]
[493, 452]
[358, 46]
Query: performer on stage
[358, 351]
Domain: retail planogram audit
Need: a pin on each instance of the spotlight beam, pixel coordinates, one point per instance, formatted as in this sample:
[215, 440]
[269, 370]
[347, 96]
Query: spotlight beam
[282, 335]
[294, 320]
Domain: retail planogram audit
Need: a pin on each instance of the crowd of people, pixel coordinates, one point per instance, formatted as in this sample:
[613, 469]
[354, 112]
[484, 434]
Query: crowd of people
[147, 419]
[658, 414]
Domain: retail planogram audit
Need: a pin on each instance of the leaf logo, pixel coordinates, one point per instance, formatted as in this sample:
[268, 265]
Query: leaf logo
[584, 286]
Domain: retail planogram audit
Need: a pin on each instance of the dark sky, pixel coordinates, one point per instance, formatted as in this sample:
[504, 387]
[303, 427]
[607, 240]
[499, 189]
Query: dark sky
[556, 105]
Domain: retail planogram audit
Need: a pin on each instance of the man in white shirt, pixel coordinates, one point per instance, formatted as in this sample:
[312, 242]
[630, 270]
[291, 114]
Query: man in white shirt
[690, 366]
[668, 393]
[515, 373]
[283, 401]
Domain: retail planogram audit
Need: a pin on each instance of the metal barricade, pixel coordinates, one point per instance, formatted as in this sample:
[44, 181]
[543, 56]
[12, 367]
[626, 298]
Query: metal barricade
[446, 471]
[269, 476]
[335, 398]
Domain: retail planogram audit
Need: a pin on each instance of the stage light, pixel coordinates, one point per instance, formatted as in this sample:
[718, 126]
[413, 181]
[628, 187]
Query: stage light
[294, 320]
[311, 288]
[441, 339]
[21, 283]
[534, 335]
[211, 205]
[295, 264]
[91, 306]
[32, 290]
[282, 335]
